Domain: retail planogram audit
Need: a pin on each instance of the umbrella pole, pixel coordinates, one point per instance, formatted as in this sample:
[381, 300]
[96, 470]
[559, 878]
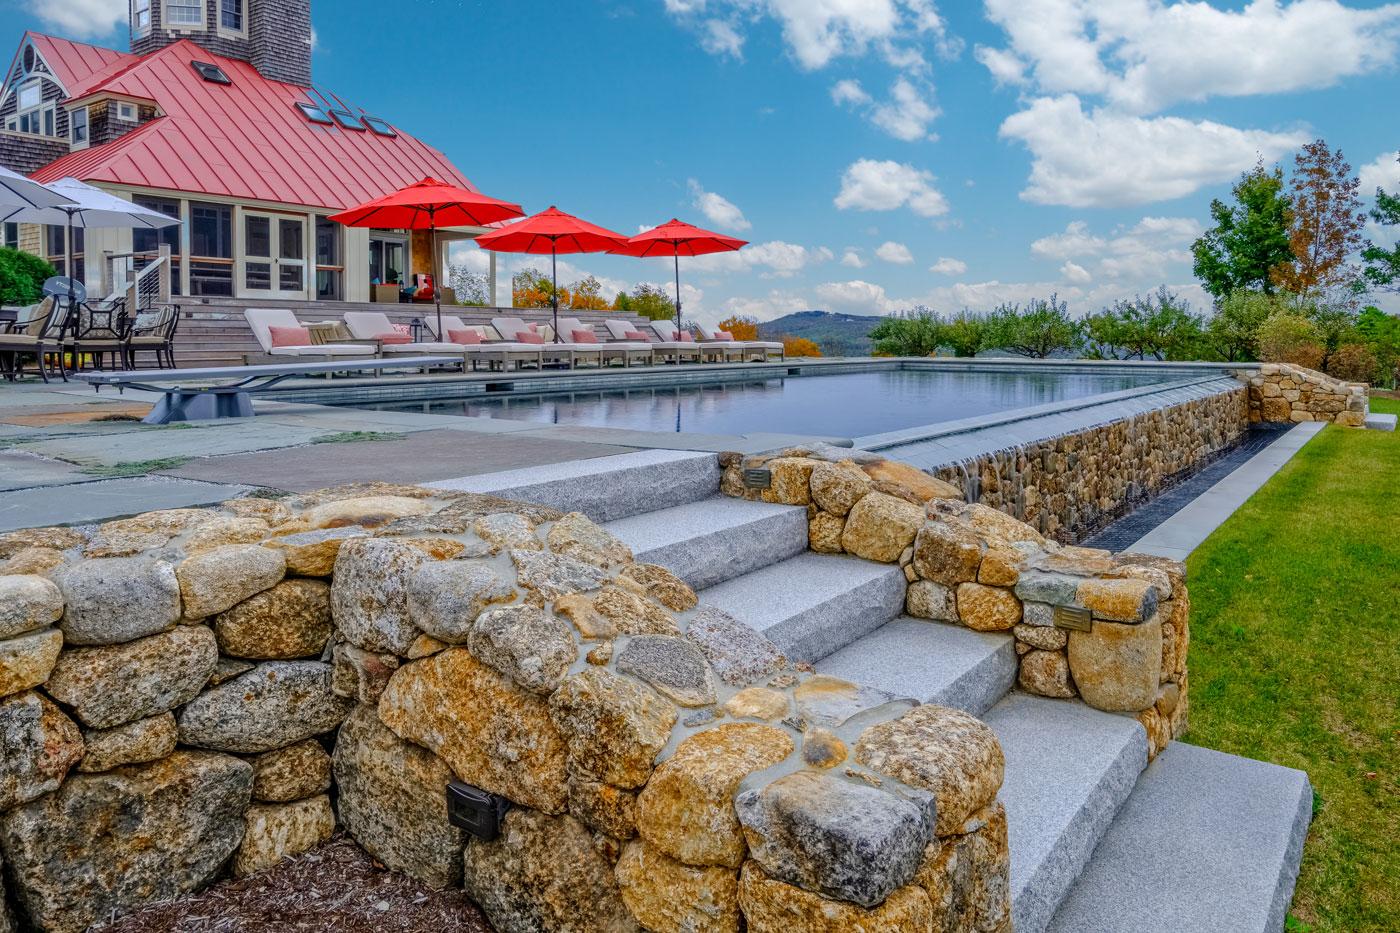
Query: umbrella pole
[554, 277]
[437, 286]
[69, 259]
[678, 294]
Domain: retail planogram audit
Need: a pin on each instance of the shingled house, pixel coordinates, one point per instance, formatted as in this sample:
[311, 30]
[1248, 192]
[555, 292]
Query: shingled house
[212, 116]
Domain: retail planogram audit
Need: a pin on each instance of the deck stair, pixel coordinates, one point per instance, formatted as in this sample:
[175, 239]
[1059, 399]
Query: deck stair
[1100, 840]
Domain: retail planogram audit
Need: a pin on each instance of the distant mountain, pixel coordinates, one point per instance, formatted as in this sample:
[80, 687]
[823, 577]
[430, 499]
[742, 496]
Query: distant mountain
[836, 334]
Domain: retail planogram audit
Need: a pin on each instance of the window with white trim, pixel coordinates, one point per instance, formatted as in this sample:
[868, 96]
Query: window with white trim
[141, 16]
[126, 111]
[184, 12]
[78, 126]
[231, 15]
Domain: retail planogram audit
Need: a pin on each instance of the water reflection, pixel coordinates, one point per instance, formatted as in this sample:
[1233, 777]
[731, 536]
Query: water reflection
[846, 405]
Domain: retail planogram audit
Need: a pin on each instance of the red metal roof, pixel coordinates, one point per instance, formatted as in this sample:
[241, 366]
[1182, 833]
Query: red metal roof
[76, 63]
[246, 140]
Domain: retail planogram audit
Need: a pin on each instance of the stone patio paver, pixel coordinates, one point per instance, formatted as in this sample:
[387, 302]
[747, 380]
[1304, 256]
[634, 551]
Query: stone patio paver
[100, 500]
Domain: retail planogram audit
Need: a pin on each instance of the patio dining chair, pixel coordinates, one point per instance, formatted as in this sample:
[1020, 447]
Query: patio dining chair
[96, 330]
[153, 332]
[32, 334]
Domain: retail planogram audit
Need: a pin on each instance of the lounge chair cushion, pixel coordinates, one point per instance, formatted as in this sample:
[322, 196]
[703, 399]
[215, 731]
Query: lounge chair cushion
[468, 337]
[723, 335]
[684, 336]
[585, 336]
[289, 336]
[635, 335]
[527, 336]
[394, 337]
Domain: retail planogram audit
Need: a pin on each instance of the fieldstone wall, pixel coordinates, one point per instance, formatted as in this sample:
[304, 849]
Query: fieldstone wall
[191, 693]
[970, 564]
[1284, 392]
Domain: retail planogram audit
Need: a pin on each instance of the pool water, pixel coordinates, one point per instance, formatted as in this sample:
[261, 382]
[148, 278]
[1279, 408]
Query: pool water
[842, 405]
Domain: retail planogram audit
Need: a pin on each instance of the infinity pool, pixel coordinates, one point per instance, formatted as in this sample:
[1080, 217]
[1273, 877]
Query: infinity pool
[842, 405]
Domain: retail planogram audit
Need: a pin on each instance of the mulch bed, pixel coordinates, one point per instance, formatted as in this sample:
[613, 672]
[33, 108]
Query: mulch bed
[336, 886]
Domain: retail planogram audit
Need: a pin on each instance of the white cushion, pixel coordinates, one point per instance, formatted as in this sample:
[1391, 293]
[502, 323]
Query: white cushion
[365, 325]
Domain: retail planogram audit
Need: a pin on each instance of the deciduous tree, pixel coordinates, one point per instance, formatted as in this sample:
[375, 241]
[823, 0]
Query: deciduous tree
[1250, 238]
[1381, 264]
[742, 328]
[1327, 220]
[916, 332]
[1042, 328]
[800, 346]
[650, 302]
[1233, 330]
[586, 295]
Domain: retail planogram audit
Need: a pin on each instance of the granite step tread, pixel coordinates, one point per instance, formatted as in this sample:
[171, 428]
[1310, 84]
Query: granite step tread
[813, 604]
[1068, 770]
[933, 662]
[715, 539]
[1207, 842]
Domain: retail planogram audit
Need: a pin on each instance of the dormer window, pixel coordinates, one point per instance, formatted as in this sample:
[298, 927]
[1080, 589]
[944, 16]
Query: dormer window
[78, 126]
[126, 111]
[184, 12]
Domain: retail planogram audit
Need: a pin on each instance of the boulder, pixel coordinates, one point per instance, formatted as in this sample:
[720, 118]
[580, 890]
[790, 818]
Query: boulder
[577, 536]
[673, 667]
[824, 531]
[1053, 589]
[366, 512]
[1122, 600]
[830, 702]
[313, 553]
[58, 539]
[277, 703]
[291, 620]
[880, 527]
[909, 481]
[686, 810]
[36, 561]
[524, 643]
[944, 751]
[967, 877]
[369, 596]
[791, 480]
[660, 584]
[554, 575]
[391, 799]
[133, 743]
[40, 745]
[591, 624]
[757, 703]
[269, 510]
[117, 684]
[1045, 673]
[26, 660]
[667, 896]
[631, 614]
[1117, 666]
[360, 675]
[106, 842]
[602, 807]
[928, 600]
[27, 602]
[220, 530]
[987, 608]
[837, 487]
[292, 773]
[1046, 638]
[543, 873]
[1002, 566]
[445, 597]
[946, 553]
[117, 599]
[822, 748]
[738, 653]
[506, 531]
[772, 906]
[491, 732]
[614, 727]
[275, 831]
[229, 668]
[213, 581]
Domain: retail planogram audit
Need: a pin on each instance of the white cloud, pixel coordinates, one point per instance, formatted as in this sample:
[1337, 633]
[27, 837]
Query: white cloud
[717, 209]
[1140, 256]
[1145, 55]
[1006, 67]
[773, 305]
[774, 259]
[849, 91]
[719, 37]
[1072, 271]
[855, 296]
[904, 115]
[896, 253]
[81, 18]
[1384, 172]
[870, 185]
[947, 265]
[851, 258]
[1107, 159]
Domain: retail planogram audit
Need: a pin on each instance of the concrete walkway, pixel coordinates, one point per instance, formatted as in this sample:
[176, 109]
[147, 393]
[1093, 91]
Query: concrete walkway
[1179, 535]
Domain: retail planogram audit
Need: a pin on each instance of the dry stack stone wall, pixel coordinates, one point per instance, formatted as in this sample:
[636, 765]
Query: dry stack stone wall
[1284, 392]
[191, 693]
[972, 565]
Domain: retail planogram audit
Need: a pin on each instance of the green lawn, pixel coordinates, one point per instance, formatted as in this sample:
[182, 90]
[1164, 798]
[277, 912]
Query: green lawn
[1295, 659]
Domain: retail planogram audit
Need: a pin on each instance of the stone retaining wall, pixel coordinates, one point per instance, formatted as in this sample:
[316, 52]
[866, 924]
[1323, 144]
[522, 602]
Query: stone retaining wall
[972, 565]
[1284, 392]
[191, 693]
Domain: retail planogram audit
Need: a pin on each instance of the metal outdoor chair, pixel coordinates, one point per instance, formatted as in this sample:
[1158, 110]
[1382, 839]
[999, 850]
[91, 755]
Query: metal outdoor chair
[97, 330]
[34, 336]
[152, 332]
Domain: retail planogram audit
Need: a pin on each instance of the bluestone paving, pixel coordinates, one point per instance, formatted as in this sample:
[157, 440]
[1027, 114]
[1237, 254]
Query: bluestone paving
[1208, 842]
[1381, 421]
[114, 498]
[20, 470]
[209, 439]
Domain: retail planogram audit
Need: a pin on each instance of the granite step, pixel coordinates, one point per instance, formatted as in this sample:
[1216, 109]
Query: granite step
[716, 539]
[605, 488]
[933, 662]
[1069, 768]
[1207, 842]
[813, 604]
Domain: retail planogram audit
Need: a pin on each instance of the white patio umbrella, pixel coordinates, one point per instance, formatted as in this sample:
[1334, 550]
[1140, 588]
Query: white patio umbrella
[18, 193]
[90, 207]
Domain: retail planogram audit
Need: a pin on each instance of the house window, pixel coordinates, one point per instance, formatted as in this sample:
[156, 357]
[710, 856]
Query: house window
[386, 259]
[211, 249]
[231, 15]
[141, 16]
[184, 12]
[330, 268]
[29, 96]
[11, 236]
[126, 112]
[147, 242]
[56, 249]
[78, 125]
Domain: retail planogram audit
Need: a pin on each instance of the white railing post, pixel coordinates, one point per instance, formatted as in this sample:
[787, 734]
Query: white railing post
[164, 293]
[107, 283]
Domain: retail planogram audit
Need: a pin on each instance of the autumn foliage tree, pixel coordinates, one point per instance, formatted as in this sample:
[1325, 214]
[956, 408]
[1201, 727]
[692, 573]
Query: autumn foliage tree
[740, 327]
[800, 346]
[1327, 221]
[531, 288]
[587, 295]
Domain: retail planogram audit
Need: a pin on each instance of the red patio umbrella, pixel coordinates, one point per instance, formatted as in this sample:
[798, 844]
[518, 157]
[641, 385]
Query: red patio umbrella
[676, 238]
[551, 231]
[427, 205]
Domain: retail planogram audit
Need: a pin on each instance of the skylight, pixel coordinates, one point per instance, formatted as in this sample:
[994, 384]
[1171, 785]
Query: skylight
[211, 73]
[348, 120]
[380, 126]
[313, 113]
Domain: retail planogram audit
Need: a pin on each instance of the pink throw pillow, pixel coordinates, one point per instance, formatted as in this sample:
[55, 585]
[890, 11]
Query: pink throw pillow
[289, 336]
[684, 336]
[635, 335]
[723, 335]
[394, 337]
[467, 337]
[584, 336]
[528, 337]
[534, 328]
[402, 329]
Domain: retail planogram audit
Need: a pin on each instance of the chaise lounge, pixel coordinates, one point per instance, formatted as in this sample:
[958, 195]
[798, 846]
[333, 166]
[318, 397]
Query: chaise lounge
[279, 333]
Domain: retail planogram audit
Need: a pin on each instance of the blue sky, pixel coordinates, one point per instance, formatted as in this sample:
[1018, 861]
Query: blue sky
[878, 153]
